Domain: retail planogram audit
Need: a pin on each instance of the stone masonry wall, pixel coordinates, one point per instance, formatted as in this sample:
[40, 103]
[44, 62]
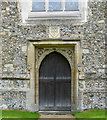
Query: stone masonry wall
[93, 58]
[15, 77]
[14, 55]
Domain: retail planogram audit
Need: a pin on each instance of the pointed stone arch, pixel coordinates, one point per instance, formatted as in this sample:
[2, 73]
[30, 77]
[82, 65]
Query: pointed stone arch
[64, 53]
[68, 53]
[36, 53]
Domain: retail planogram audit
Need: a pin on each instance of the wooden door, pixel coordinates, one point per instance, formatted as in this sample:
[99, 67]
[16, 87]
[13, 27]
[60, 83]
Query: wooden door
[55, 83]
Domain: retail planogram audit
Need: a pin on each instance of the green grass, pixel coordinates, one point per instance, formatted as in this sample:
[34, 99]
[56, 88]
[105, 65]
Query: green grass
[78, 114]
[0, 114]
[96, 113]
[19, 114]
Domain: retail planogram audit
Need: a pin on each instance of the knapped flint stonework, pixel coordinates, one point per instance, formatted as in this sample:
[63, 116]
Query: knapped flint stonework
[15, 74]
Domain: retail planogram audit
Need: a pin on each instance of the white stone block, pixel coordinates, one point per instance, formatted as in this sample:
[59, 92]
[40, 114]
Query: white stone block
[8, 65]
[24, 48]
[85, 51]
[7, 8]
[81, 77]
[3, 106]
[101, 21]
[101, 70]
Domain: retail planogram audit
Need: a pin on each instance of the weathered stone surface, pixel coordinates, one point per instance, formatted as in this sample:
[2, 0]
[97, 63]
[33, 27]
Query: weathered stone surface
[8, 65]
[86, 51]
[24, 48]
[20, 84]
[94, 100]
[14, 54]
[13, 100]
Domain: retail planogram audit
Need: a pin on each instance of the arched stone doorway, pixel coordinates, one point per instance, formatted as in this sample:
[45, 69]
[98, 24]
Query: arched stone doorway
[37, 52]
[55, 83]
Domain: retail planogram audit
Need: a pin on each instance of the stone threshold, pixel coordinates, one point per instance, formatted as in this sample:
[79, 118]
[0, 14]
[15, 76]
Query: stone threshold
[55, 112]
[66, 116]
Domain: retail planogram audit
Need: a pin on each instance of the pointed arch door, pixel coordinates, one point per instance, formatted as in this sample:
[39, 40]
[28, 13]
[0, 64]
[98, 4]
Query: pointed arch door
[55, 83]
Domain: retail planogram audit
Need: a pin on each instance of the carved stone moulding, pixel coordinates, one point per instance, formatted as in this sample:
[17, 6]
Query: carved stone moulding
[68, 53]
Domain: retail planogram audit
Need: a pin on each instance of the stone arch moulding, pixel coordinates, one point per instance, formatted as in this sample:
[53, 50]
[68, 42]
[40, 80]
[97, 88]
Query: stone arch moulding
[69, 56]
[37, 52]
